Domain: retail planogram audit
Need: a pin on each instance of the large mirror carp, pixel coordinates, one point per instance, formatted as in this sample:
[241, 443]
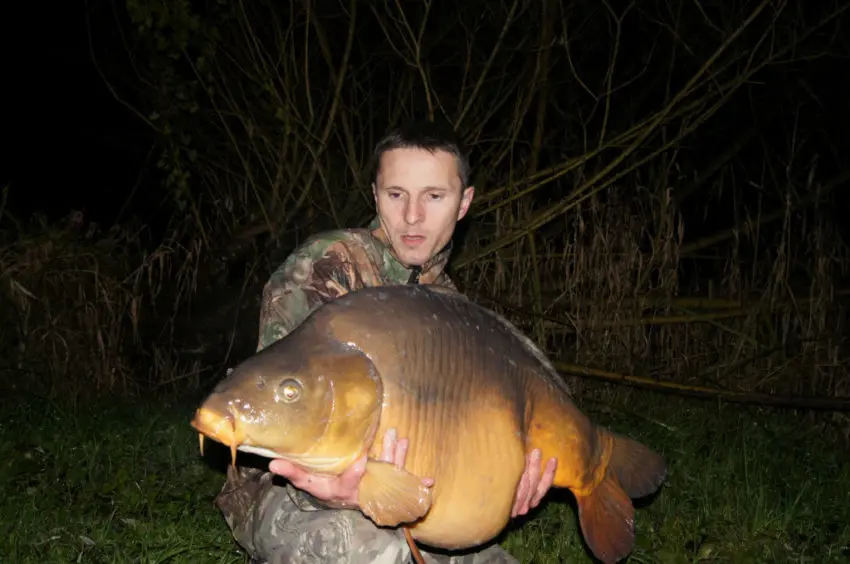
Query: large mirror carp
[473, 395]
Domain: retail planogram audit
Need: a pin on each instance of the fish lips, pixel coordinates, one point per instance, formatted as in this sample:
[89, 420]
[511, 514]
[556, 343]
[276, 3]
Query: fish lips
[222, 427]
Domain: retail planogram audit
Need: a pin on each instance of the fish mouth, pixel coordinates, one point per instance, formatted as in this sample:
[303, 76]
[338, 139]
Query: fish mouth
[224, 428]
[220, 427]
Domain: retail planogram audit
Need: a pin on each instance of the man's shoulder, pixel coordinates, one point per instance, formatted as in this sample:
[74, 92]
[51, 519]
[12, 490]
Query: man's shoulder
[319, 244]
[348, 258]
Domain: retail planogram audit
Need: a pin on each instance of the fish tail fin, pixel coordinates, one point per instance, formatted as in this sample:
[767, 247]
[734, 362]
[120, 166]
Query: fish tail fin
[639, 470]
[606, 514]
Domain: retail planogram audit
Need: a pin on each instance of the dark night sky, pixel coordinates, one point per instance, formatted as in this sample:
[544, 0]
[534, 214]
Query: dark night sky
[72, 145]
[69, 143]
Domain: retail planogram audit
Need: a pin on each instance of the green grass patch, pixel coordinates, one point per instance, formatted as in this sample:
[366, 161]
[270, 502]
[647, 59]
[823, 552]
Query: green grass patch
[125, 483]
[111, 483]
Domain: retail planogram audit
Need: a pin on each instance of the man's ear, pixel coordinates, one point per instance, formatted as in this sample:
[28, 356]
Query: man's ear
[465, 201]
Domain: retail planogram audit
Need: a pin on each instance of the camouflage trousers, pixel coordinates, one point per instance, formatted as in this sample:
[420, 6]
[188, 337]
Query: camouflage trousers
[279, 524]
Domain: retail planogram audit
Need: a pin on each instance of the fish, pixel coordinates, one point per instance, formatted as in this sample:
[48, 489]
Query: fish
[470, 391]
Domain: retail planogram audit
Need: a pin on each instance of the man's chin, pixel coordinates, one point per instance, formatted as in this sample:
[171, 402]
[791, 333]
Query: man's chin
[411, 259]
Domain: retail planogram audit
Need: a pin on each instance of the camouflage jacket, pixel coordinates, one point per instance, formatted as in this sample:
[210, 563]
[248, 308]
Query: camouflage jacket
[330, 264]
[325, 267]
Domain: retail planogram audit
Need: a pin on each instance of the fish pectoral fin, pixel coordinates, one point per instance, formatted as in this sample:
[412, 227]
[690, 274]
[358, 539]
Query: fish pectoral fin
[390, 495]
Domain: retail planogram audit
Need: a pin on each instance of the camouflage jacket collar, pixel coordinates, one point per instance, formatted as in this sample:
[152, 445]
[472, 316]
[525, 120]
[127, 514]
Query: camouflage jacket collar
[429, 272]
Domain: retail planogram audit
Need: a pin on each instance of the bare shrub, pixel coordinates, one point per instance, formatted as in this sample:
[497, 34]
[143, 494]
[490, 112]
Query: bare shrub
[605, 139]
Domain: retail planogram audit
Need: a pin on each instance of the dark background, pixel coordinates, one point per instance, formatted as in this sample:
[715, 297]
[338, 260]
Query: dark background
[70, 145]
[73, 147]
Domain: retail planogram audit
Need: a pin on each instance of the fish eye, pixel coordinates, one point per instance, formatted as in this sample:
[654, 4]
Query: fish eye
[289, 391]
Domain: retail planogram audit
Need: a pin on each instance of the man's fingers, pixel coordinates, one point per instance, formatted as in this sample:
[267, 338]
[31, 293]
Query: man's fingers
[389, 445]
[532, 464]
[545, 482]
[533, 470]
[528, 484]
[284, 468]
[401, 452]
[343, 488]
[347, 486]
[521, 494]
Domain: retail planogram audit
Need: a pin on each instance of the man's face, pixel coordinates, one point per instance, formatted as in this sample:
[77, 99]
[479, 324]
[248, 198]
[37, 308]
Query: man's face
[419, 198]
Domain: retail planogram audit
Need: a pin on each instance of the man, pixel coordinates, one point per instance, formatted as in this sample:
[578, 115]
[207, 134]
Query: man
[421, 191]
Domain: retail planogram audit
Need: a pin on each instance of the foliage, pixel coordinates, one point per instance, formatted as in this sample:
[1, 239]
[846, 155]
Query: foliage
[85, 304]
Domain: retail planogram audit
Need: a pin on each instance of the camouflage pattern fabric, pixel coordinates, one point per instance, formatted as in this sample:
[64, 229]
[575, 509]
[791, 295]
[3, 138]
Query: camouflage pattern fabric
[271, 519]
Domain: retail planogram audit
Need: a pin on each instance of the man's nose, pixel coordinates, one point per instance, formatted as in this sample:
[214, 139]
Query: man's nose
[413, 212]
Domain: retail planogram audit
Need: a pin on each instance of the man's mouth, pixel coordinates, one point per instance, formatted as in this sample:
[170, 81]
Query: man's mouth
[412, 240]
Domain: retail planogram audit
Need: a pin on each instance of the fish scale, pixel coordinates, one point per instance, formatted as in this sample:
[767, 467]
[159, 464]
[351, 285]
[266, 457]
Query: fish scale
[438, 349]
[425, 415]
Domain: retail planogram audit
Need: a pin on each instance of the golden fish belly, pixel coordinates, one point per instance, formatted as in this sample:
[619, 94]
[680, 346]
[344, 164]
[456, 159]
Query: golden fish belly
[475, 453]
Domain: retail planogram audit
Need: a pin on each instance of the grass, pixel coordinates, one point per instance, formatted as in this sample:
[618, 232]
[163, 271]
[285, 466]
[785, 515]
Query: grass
[115, 483]
[125, 483]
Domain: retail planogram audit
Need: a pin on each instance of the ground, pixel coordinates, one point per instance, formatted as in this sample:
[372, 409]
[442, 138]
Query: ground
[125, 483]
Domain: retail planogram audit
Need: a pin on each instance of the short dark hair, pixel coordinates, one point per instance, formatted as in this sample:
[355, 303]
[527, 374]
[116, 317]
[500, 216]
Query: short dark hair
[423, 135]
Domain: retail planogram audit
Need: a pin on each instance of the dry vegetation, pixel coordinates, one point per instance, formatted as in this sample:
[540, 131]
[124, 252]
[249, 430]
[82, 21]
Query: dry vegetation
[646, 208]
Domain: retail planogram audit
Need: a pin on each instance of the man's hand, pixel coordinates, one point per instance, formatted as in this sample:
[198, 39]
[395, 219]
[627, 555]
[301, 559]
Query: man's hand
[341, 491]
[532, 486]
